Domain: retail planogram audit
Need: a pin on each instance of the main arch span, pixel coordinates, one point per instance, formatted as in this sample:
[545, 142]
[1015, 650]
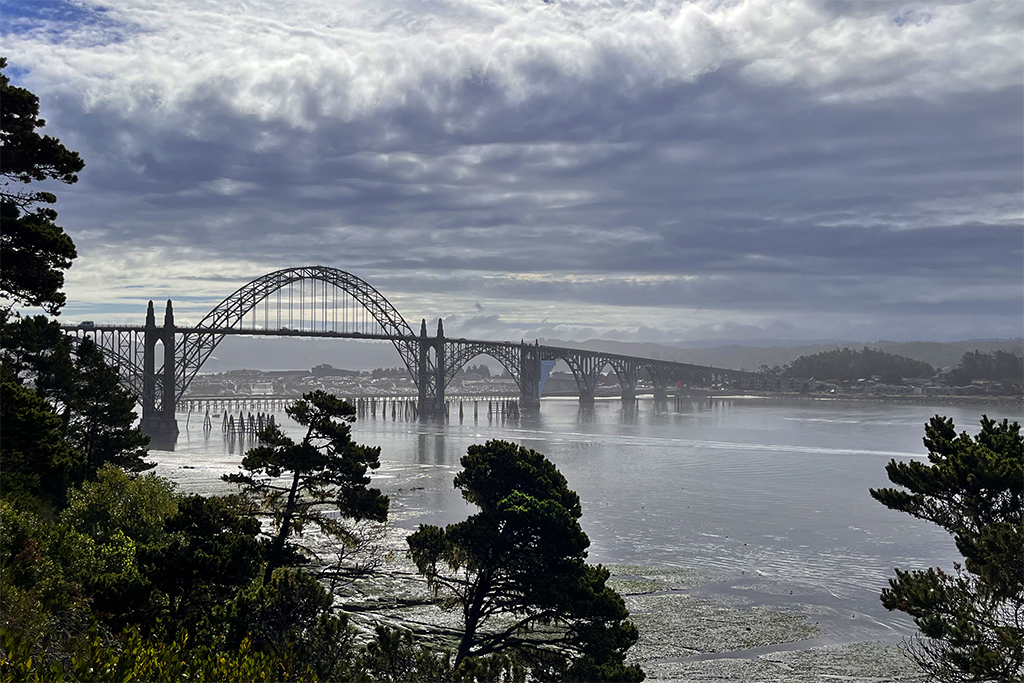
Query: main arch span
[232, 311]
[158, 363]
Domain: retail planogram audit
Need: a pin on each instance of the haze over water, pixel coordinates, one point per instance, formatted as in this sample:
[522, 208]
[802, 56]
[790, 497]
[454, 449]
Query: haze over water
[771, 496]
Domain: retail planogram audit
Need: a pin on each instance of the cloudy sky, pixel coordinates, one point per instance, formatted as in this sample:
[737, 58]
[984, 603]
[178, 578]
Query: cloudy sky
[644, 171]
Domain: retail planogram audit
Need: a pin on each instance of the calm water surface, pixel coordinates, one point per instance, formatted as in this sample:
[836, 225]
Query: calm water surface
[771, 495]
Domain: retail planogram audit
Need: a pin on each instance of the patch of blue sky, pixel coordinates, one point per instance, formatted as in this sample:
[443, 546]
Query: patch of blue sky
[85, 22]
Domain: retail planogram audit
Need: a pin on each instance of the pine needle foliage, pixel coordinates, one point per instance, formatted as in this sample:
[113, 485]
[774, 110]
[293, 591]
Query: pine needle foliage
[971, 620]
[319, 482]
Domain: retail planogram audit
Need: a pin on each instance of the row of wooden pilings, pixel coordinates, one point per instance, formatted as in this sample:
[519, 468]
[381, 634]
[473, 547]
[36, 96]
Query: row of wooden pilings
[395, 408]
[250, 425]
[405, 408]
[230, 404]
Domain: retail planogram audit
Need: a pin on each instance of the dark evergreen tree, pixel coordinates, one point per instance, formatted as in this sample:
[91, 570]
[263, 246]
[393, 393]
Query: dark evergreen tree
[97, 415]
[516, 571]
[971, 620]
[38, 463]
[296, 485]
[100, 418]
[34, 251]
[211, 551]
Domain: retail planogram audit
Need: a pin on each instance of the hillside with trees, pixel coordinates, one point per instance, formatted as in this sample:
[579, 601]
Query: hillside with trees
[846, 365]
[998, 366]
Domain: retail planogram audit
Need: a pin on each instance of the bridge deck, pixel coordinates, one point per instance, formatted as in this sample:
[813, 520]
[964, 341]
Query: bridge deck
[327, 334]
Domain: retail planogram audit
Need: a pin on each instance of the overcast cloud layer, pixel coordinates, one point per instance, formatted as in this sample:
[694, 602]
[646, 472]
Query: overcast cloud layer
[651, 171]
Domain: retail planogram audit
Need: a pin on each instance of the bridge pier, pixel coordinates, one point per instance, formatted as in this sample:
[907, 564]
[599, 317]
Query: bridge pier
[439, 409]
[159, 423]
[529, 375]
[430, 380]
[659, 381]
[627, 373]
[422, 379]
[585, 370]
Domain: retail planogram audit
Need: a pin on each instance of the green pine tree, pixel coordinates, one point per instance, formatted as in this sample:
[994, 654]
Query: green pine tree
[516, 571]
[971, 620]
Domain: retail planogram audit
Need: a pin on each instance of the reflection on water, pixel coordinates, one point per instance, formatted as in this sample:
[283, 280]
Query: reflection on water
[430, 448]
[586, 414]
[759, 490]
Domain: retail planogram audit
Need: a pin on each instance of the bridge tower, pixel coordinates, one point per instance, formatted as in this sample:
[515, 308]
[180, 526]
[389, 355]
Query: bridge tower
[430, 380]
[158, 422]
[423, 379]
[529, 375]
[439, 369]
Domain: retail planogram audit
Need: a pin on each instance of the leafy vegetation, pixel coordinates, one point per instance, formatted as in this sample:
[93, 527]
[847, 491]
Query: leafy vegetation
[846, 364]
[318, 482]
[517, 574]
[33, 249]
[971, 621]
[999, 366]
[134, 657]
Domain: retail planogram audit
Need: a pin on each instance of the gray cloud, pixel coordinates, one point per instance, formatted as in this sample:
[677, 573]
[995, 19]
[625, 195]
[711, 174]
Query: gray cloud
[626, 169]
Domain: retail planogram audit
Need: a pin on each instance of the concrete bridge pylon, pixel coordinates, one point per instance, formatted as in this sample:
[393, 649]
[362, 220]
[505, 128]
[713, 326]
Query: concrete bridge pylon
[158, 388]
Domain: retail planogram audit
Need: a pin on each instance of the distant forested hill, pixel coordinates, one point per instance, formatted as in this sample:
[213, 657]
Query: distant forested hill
[999, 366]
[947, 354]
[850, 364]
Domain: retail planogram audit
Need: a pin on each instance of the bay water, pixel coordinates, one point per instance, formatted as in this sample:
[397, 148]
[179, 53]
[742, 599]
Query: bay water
[768, 496]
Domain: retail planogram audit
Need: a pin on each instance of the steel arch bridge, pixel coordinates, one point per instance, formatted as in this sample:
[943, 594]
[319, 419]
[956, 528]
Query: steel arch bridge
[320, 301]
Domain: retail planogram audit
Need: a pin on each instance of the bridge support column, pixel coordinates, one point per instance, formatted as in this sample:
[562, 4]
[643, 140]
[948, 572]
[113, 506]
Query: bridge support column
[439, 370]
[659, 380]
[160, 425]
[529, 376]
[169, 398]
[150, 338]
[423, 376]
[585, 370]
[430, 382]
[627, 373]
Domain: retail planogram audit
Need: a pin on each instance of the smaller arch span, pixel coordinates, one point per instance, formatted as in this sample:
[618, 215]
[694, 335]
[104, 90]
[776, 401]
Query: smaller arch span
[464, 352]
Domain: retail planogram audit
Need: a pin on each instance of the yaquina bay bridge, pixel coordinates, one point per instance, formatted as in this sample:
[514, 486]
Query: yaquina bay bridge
[318, 301]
